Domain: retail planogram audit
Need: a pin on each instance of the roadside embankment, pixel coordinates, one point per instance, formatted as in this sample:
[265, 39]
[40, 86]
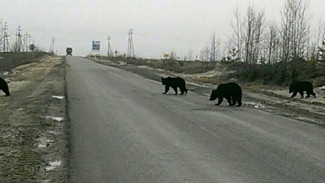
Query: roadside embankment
[33, 139]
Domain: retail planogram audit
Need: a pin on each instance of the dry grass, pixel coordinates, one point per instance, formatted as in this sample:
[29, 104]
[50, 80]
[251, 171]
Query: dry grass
[11, 60]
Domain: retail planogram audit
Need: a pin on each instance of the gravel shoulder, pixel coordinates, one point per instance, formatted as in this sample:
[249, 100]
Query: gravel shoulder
[33, 136]
[275, 100]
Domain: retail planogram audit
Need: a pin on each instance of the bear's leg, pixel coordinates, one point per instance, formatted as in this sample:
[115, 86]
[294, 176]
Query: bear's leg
[294, 94]
[308, 95]
[6, 91]
[238, 99]
[175, 89]
[234, 100]
[301, 94]
[311, 92]
[229, 100]
[182, 90]
[219, 100]
[4, 87]
[166, 89]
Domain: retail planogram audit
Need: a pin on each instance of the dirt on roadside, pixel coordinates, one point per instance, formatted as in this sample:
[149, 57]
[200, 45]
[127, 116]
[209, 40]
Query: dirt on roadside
[275, 100]
[33, 136]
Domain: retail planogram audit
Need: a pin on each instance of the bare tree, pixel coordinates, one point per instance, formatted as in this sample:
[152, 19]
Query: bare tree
[213, 48]
[321, 41]
[237, 27]
[207, 53]
[16, 47]
[1, 35]
[259, 35]
[202, 55]
[173, 55]
[214, 51]
[190, 55]
[272, 44]
[295, 29]
[253, 34]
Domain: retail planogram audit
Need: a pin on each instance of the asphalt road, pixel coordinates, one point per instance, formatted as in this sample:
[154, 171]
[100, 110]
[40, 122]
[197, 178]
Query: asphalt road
[123, 129]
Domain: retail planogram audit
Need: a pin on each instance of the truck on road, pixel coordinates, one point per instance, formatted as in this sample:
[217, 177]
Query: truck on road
[69, 51]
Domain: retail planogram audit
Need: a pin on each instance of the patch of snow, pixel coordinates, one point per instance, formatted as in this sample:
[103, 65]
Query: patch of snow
[58, 119]
[53, 165]
[58, 97]
[41, 145]
[160, 70]
[322, 88]
[121, 63]
[43, 142]
[144, 67]
[256, 105]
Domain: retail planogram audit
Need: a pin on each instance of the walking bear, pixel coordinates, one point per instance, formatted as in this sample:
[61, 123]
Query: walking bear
[175, 83]
[231, 91]
[300, 87]
[4, 86]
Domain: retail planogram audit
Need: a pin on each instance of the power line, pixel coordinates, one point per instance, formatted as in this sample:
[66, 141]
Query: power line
[109, 49]
[18, 45]
[5, 44]
[130, 52]
[26, 41]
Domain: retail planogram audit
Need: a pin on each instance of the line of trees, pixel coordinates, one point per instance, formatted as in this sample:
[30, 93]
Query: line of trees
[256, 40]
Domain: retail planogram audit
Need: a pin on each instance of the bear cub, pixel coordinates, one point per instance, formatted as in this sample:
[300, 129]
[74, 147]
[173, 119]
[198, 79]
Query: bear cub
[174, 82]
[231, 91]
[4, 86]
[300, 87]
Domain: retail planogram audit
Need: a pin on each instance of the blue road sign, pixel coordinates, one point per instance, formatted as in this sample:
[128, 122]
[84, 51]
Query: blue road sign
[96, 46]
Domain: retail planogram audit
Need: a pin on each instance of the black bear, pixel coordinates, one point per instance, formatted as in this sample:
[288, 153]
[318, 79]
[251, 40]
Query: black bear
[4, 86]
[175, 83]
[300, 87]
[231, 91]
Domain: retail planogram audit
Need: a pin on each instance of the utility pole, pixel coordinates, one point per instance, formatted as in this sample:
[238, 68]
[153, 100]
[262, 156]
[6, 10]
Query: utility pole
[29, 43]
[213, 49]
[51, 50]
[18, 44]
[26, 45]
[130, 52]
[6, 47]
[109, 49]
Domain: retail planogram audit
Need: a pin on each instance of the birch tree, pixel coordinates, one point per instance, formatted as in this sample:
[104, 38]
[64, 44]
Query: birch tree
[254, 31]
[294, 29]
[237, 27]
[272, 44]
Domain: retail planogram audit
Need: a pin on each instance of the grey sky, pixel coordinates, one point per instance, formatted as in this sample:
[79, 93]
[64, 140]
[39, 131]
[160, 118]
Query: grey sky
[159, 25]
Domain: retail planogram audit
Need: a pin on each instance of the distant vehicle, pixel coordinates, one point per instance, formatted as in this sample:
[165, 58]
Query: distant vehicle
[69, 51]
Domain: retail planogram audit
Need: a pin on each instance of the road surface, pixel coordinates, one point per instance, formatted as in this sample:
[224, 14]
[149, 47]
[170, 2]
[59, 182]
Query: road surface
[123, 129]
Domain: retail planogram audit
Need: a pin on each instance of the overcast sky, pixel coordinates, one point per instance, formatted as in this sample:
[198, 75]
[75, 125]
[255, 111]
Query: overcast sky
[160, 26]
